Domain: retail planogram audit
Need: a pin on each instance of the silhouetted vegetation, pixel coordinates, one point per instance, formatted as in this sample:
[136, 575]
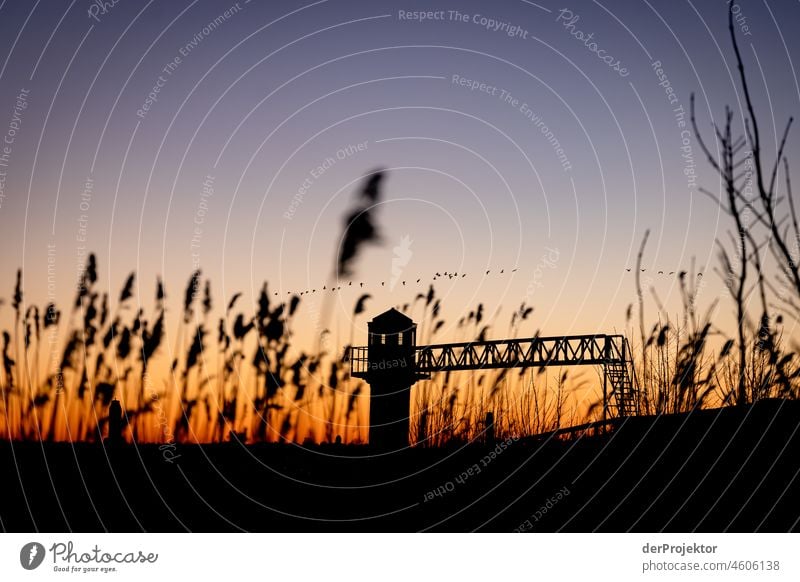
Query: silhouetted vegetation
[239, 375]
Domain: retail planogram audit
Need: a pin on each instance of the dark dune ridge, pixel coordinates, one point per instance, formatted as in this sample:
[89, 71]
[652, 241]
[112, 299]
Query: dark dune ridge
[730, 469]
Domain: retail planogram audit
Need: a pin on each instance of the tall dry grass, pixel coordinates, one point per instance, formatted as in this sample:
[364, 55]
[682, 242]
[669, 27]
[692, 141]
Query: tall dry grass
[238, 375]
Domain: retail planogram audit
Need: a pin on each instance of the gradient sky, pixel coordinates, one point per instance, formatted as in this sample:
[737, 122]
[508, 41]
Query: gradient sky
[276, 88]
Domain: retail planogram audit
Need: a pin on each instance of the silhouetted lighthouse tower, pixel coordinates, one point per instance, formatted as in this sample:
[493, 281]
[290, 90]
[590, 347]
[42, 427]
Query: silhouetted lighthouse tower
[390, 371]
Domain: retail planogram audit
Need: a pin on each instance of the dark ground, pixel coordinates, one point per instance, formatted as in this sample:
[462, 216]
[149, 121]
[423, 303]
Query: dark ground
[730, 469]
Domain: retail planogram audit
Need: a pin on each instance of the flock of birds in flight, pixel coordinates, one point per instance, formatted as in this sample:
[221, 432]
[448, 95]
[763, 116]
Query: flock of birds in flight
[439, 275]
[436, 276]
[406, 282]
